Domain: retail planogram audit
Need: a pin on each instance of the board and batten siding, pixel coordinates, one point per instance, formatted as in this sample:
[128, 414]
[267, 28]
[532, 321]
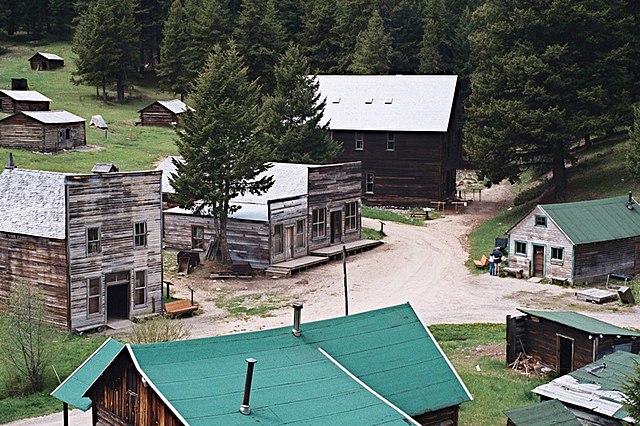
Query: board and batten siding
[37, 261]
[550, 236]
[114, 202]
[287, 213]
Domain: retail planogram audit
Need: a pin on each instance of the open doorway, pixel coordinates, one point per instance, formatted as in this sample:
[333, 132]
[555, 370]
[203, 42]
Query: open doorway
[336, 226]
[564, 358]
[118, 294]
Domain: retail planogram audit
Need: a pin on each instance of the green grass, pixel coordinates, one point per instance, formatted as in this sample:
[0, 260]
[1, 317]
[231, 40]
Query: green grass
[252, 304]
[389, 216]
[372, 234]
[67, 353]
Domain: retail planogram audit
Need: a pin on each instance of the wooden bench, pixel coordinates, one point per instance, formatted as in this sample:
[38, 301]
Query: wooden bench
[513, 272]
[179, 307]
[558, 280]
[482, 263]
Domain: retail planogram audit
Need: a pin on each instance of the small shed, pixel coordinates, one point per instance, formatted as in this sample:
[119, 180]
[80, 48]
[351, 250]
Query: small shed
[46, 131]
[547, 413]
[594, 393]
[566, 340]
[163, 113]
[578, 242]
[42, 61]
[12, 101]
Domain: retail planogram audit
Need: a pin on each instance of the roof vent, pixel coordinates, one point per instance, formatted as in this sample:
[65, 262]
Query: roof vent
[336, 100]
[630, 202]
[388, 100]
[104, 168]
[368, 100]
[297, 310]
[244, 408]
[10, 165]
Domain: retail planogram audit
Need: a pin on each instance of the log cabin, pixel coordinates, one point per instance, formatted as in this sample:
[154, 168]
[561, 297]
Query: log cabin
[578, 242]
[42, 61]
[44, 131]
[12, 101]
[330, 372]
[403, 130]
[92, 243]
[163, 113]
[565, 341]
[307, 208]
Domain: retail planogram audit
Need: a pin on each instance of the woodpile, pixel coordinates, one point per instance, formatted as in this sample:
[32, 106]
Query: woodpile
[527, 365]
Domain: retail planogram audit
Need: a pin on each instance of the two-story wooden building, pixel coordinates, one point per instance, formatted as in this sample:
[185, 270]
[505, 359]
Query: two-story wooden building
[45, 131]
[308, 207]
[92, 243]
[402, 128]
[23, 100]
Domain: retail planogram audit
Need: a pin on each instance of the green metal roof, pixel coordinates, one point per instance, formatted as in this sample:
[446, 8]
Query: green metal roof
[73, 388]
[581, 322]
[596, 220]
[547, 413]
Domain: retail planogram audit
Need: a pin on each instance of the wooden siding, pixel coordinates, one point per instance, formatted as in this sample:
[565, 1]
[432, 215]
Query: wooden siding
[43, 64]
[114, 202]
[22, 132]
[119, 397]
[548, 237]
[444, 417]
[9, 105]
[287, 213]
[157, 115]
[599, 259]
[41, 262]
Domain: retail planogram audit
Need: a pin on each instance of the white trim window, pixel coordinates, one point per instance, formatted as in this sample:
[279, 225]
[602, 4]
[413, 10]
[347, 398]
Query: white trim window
[391, 141]
[351, 216]
[318, 221]
[369, 183]
[140, 234]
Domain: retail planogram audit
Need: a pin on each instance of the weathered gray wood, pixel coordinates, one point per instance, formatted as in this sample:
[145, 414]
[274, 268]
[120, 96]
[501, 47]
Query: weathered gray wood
[22, 132]
[157, 115]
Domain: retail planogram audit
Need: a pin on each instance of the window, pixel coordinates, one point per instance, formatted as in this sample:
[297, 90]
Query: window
[368, 187]
[140, 234]
[521, 248]
[350, 216]
[94, 299]
[197, 237]
[541, 221]
[391, 141]
[140, 291]
[557, 254]
[300, 233]
[318, 223]
[278, 247]
[93, 240]
[359, 141]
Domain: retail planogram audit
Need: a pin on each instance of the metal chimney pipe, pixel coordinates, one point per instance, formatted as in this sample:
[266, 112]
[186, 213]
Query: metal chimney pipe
[630, 202]
[10, 164]
[297, 311]
[244, 408]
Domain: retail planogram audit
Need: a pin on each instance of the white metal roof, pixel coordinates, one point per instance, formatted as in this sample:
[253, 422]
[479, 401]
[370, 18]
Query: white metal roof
[51, 56]
[33, 203]
[53, 117]
[26, 95]
[420, 103]
[176, 106]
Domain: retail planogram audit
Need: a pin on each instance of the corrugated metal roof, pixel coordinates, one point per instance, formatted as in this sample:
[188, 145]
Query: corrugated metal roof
[50, 56]
[176, 106]
[581, 322]
[547, 413]
[595, 387]
[596, 220]
[74, 387]
[26, 95]
[53, 117]
[33, 203]
[421, 103]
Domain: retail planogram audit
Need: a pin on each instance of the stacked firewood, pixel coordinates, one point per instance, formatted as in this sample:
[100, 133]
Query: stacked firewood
[527, 365]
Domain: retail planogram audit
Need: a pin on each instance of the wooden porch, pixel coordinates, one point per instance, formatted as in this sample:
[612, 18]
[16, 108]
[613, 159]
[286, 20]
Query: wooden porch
[335, 251]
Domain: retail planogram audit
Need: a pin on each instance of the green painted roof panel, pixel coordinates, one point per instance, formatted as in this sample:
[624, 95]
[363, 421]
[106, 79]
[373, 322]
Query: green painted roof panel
[548, 413]
[581, 322]
[596, 220]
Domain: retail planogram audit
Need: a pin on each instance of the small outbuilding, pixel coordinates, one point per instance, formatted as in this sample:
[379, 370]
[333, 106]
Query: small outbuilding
[547, 413]
[42, 61]
[12, 101]
[46, 131]
[566, 341]
[578, 242]
[163, 113]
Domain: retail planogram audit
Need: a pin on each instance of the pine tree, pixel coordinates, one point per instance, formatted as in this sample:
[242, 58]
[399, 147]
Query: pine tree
[150, 16]
[351, 18]
[631, 389]
[292, 115]
[633, 153]
[373, 49]
[322, 50]
[126, 37]
[211, 25]
[430, 59]
[61, 14]
[174, 73]
[220, 142]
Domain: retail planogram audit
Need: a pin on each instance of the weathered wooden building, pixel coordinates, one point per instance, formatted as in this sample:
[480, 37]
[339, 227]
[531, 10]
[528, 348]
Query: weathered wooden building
[163, 113]
[595, 393]
[23, 100]
[307, 207]
[403, 130]
[92, 243]
[42, 61]
[566, 341]
[46, 131]
[335, 372]
[578, 242]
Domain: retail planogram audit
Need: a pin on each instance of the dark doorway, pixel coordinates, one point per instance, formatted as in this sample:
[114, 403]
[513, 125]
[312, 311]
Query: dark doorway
[336, 226]
[565, 355]
[118, 284]
[538, 261]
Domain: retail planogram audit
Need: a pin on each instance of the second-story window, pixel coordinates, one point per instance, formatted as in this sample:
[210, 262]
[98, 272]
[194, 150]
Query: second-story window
[140, 234]
[391, 141]
[359, 141]
[93, 240]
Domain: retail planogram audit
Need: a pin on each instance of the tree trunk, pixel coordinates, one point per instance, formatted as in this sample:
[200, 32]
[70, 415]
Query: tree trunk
[97, 91]
[120, 88]
[104, 89]
[224, 244]
[559, 171]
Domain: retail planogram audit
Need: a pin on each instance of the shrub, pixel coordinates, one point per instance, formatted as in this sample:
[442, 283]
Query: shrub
[159, 330]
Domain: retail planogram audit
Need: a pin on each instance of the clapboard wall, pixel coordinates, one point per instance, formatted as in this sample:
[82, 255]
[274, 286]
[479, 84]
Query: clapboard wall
[22, 132]
[10, 105]
[157, 115]
[599, 259]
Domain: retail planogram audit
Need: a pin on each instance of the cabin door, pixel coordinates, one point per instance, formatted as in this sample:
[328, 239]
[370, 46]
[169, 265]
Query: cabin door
[64, 139]
[564, 356]
[118, 294]
[290, 241]
[336, 226]
[538, 261]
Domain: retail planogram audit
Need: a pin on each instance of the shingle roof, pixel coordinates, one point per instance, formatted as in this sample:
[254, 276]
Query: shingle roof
[53, 117]
[597, 220]
[595, 387]
[50, 56]
[547, 413]
[26, 95]
[33, 203]
[581, 322]
[422, 103]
